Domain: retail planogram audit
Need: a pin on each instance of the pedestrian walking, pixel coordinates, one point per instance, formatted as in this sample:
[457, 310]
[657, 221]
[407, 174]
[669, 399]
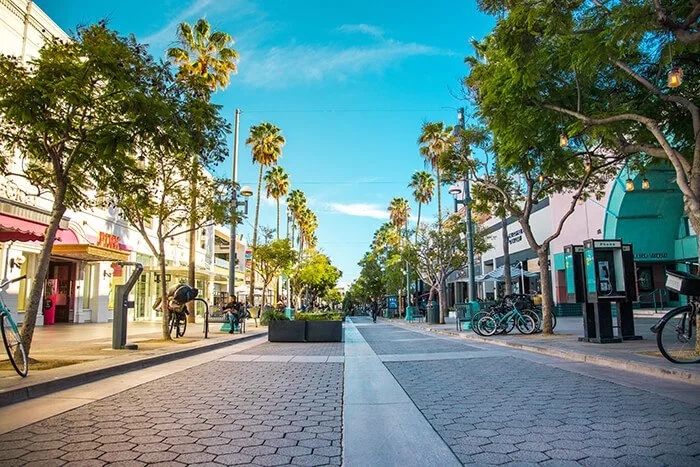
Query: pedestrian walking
[375, 309]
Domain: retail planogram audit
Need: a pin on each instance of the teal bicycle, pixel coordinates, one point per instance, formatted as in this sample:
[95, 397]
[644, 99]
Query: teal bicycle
[504, 318]
[10, 335]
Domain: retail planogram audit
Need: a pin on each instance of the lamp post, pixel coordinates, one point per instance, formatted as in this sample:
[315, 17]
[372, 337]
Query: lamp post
[466, 199]
[246, 192]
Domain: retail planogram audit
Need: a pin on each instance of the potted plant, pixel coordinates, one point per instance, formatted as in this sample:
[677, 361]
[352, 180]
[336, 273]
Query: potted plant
[281, 329]
[322, 327]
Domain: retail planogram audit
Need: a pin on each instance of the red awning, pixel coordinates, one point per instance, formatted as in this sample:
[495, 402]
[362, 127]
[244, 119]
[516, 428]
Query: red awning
[24, 230]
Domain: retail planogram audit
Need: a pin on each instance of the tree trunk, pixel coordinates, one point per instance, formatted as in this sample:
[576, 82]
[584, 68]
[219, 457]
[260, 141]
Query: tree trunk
[251, 293]
[546, 282]
[442, 297]
[191, 267]
[279, 278]
[163, 291]
[506, 258]
[418, 222]
[27, 331]
[439, 197]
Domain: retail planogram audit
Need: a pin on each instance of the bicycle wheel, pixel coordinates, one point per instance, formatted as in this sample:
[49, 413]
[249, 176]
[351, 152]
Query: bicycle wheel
[487, 326]
[172, 321]
[525, 324]
[13, 345]
[676, 336]
[535, 317]
[181, 325]
[475, 320]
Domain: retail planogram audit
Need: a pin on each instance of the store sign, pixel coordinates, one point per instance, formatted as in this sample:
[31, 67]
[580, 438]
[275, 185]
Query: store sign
[650, 255]
[106, 240]
[515, 237]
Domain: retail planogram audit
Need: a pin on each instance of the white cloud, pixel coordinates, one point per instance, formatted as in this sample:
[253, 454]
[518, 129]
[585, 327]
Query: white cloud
[373, 211]
[197, 9]
[284, 66]
[362, 28]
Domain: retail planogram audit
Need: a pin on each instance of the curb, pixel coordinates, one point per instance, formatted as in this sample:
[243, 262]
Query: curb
[640, 368]
[12, 396]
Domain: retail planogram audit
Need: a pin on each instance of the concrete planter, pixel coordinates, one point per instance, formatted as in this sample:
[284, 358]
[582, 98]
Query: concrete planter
[286, 331]
[324, 331]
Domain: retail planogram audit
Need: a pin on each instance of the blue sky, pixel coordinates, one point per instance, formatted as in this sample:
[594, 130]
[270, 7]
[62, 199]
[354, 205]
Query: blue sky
[349, 83]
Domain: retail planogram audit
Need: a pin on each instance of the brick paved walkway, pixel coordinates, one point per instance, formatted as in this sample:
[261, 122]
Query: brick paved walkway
[221, 412]
[286, 404]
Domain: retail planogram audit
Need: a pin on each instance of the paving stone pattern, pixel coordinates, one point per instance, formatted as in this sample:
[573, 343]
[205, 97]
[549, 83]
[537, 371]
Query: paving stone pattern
[219, 413]
[297, 349]
[507, 410]
[392, 340]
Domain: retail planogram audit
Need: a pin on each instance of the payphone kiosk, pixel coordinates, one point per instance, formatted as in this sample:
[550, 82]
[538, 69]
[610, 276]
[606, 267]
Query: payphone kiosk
[609, 278]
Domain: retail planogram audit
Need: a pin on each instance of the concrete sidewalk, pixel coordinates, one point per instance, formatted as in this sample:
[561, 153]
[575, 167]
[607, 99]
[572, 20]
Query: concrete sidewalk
[87, 349]
[637, 356]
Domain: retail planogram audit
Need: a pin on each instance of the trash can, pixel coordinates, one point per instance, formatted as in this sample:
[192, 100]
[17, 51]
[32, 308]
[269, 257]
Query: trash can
[433, 313]
[410, 310]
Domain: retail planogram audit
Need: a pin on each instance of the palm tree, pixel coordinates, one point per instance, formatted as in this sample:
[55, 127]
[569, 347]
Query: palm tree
[206, 60]
[277, 186]
[204, 56]
[296, 202]
[266, 143]
[398, 212]
[423, 185]
[308, 223]
[435, 140]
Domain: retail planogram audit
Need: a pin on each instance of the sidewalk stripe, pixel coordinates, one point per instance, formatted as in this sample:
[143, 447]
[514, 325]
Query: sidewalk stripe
[381, 425]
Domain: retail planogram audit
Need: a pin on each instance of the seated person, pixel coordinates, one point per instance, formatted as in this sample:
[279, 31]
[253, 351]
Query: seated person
[232, 309]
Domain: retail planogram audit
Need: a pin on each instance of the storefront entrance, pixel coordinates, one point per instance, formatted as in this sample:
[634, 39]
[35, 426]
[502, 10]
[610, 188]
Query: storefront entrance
[59, 292]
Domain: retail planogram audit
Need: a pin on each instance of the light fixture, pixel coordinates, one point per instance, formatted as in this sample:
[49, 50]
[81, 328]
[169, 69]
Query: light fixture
[580, 201]
[455, 190]
[645, 184]
[563, 140]
[17, 262]
[588, 166]
[246, 191]
[540, 178]
[629, 185]
[106, 273]
[675, 77]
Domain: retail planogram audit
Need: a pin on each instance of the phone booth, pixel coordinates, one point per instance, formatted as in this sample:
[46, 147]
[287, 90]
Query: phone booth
[608, 277]
[49, 306]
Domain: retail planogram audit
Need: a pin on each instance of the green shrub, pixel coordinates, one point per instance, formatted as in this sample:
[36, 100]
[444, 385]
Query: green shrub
[319, 316]
[272, 315]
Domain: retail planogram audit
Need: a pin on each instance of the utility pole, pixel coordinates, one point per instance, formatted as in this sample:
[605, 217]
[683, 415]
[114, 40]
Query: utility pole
[232, 243]
[471, 290]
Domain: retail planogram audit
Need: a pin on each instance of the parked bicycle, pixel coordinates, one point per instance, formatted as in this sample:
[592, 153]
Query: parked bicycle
[178, 296]
[676, 332]
[504, 317]
[10, 335]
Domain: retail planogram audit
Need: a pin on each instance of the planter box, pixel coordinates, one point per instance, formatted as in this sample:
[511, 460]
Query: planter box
[324, 331]
[286, 331]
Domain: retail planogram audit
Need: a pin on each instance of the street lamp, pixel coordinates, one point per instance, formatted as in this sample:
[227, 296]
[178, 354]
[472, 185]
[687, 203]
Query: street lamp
[466, 199]
[246, 192]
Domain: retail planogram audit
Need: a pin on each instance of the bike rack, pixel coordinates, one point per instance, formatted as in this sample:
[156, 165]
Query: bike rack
[206, 316]
[121, 307]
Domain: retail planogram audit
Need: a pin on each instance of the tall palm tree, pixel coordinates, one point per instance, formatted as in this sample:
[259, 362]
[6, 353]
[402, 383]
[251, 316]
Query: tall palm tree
[206, 59]
[434, 141]
[308, 223]
[423, 185]
[398, 212]
[266, 145]
[277, 186]
[205, 56]
[296, 202]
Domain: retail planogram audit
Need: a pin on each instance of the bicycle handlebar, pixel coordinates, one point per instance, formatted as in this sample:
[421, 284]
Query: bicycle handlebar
[12, 281]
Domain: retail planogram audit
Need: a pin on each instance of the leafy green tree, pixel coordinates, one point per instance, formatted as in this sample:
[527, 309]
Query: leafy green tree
[315, 275]
[271, 259]
[423, 185]
[333, 297]
[266, 144]
[73, 116]
[160, 193]
[205, 61]
[595, 77]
